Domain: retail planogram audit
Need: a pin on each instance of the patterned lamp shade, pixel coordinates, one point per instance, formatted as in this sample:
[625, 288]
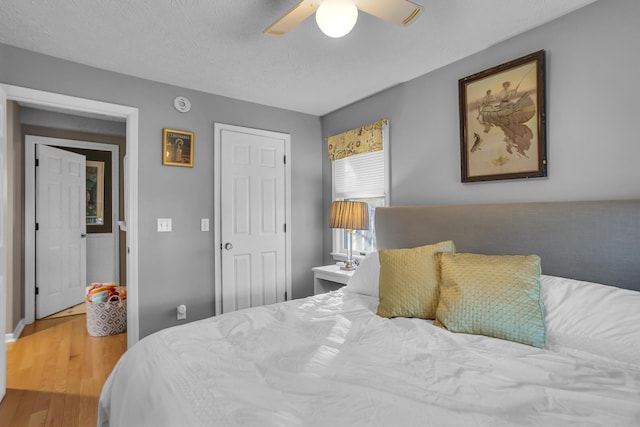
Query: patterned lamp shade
[349, 215]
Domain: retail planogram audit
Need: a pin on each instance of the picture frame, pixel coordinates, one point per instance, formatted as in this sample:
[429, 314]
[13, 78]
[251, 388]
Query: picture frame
[95, 193]
[177, 147]
[503, 133]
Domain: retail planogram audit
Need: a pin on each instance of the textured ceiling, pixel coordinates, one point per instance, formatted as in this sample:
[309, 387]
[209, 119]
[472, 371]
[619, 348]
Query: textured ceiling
[218, 46]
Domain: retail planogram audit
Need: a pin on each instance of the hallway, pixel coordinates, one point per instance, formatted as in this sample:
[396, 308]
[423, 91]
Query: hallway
[55, 372]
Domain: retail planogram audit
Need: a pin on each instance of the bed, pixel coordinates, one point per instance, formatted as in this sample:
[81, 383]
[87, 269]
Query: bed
[331, 360]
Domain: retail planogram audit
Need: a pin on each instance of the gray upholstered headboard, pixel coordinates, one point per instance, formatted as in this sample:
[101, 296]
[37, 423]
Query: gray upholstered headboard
[597, 241]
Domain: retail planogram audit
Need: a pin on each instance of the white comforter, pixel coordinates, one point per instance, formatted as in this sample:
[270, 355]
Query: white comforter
[329, 360]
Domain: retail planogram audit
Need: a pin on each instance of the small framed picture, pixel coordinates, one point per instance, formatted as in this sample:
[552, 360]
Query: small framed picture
[502, 121]
[177, 147]
[95, 193]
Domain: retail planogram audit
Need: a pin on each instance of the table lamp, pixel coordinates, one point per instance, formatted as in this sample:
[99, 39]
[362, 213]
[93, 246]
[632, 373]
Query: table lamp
[350, 216]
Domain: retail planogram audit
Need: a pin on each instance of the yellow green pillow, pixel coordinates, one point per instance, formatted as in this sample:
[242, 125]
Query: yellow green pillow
[492, 295]
[409, 281]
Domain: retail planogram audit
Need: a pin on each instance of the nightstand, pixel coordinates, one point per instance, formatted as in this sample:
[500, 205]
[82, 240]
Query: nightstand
[329, 278]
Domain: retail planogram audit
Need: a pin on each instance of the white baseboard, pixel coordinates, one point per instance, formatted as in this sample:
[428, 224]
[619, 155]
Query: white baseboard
[13, 337]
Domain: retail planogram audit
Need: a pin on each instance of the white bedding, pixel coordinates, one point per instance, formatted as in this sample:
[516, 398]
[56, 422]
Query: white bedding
[329, 360]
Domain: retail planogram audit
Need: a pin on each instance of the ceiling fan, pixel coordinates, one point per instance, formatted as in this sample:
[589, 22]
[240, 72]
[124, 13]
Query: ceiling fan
[337, 17]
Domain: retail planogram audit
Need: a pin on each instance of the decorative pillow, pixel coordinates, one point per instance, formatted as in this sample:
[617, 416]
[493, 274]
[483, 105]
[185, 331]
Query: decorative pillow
[599, 319]
[495, 296]
[409, 281]
[365, 278]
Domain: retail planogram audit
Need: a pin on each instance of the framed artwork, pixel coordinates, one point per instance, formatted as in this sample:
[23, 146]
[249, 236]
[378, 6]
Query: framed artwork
[95, 193]
[502, 121]
[177, 147]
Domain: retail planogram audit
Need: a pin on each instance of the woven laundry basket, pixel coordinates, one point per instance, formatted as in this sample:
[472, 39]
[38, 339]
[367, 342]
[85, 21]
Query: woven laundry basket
[106, 318]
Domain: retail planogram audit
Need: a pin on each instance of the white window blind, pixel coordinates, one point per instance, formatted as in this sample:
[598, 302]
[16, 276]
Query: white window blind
[361, 175]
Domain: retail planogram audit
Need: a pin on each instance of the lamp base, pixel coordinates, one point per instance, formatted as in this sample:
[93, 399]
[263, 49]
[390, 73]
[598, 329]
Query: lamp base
[348, 266]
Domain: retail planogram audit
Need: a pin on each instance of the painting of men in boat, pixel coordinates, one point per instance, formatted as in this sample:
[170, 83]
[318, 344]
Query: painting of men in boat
[502, 121]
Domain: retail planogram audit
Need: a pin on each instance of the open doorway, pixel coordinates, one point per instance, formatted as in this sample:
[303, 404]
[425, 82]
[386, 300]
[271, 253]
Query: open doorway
[90, 108]
[105, 236]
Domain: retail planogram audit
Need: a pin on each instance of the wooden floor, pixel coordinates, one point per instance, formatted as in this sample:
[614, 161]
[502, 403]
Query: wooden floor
[55, 372]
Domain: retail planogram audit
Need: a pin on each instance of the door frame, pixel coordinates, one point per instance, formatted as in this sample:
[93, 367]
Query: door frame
[217, 243]
[30, 209]
[68, 103]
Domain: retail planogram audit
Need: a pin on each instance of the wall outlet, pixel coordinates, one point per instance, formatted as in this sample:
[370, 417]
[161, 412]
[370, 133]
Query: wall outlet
[181, 312]
[164, 225]
[204, 224]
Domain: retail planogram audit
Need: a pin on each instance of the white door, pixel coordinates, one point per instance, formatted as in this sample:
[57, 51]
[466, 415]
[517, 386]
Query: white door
[252, 218]
[3, 240]
[61, 273]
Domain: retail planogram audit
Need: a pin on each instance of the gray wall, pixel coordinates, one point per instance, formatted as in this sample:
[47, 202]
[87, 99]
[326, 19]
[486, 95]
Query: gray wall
[177, 267]
[592, 137]
[56, 120]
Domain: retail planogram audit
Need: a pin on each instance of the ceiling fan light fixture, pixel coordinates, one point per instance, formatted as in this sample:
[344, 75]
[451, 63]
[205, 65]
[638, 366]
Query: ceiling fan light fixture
[336, 18]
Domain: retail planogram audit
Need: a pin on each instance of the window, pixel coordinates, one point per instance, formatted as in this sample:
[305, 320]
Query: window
[363, 241]
[359, 173]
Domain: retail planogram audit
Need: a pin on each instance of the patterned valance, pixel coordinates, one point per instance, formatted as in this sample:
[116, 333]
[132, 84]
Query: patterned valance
[367, 139]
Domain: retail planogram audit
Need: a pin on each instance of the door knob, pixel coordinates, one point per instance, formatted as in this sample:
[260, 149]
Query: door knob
[228, 246]
[83, 235]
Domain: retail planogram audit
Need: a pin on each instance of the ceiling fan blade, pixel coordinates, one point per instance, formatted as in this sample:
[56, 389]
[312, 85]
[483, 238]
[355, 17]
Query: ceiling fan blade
[293, 17]
[400, 12]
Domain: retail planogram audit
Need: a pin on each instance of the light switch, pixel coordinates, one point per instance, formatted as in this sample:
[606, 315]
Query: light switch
[204, 224]
[164, 225]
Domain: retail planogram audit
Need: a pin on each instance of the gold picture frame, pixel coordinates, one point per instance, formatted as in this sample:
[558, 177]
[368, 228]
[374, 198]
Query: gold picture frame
[502, 121]
[95, 193]
[177, 147]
